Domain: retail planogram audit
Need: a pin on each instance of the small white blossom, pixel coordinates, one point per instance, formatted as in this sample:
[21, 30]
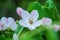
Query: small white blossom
[46, 21]
[29, 20]
[8, 23]
[3, 23]
[15, 37]
[56, 27]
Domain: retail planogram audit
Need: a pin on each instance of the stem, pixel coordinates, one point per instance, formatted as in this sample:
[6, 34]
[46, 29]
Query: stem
[20, 31]
[57, 11]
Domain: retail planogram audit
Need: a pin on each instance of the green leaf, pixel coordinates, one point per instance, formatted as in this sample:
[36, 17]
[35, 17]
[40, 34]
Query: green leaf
[33, 35]
[37, 34]
[51, 34]
[51, 10]
[49, 4]
[36, 6]
[2, 37]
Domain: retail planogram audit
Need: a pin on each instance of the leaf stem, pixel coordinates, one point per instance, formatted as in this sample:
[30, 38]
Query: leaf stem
[57, 11]
[20, 31]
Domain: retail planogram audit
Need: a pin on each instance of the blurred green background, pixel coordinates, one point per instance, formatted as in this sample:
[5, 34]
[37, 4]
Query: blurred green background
[8, 7]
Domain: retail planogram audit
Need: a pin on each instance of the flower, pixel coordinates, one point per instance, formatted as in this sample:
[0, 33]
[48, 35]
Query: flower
[29, 20]
[3, 23]
[56, 27]
[46, 21]
[15, 36]
[8, 23]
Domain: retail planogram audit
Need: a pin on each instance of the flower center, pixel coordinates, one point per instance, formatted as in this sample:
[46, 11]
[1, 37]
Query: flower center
[30, 21]
[2, 25]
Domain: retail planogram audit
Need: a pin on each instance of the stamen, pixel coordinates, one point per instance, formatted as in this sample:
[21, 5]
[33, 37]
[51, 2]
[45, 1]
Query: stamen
[30, 21]
[2, 26]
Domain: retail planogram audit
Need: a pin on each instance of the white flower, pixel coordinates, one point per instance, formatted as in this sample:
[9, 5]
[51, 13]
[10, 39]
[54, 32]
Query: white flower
[46, 21]
[56, 27]
[15, 37]
[29, 20]
[12, 24]
[7, 23]
[3, 23]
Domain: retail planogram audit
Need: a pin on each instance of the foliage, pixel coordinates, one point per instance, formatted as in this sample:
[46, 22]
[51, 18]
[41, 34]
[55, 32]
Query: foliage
[49, 9]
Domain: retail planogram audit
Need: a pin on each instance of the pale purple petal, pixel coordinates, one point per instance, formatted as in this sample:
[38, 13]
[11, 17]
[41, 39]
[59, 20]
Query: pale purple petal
[34, 15]
[46, 21]
[31, 27]
[14, 27]
[38, 23]
[25, 15]
[23, 23]
[56, 27]
[4, 23]
[12, 24]
[19, 10]
[0, 28]
[4, 20]
[15, 37]
[10, 21]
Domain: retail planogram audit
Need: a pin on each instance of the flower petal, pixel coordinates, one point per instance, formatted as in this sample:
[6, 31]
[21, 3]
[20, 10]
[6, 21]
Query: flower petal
[0, 28]
[4, 20]
[25, 15]
[13, 27]
[34, 15]
[23, 23]
[12, 24]
[46, 21]
[10, 21]
[19, 10]
[31, 27]
[56, 27]
[15, 37]
[38, 23]
[4, 27]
